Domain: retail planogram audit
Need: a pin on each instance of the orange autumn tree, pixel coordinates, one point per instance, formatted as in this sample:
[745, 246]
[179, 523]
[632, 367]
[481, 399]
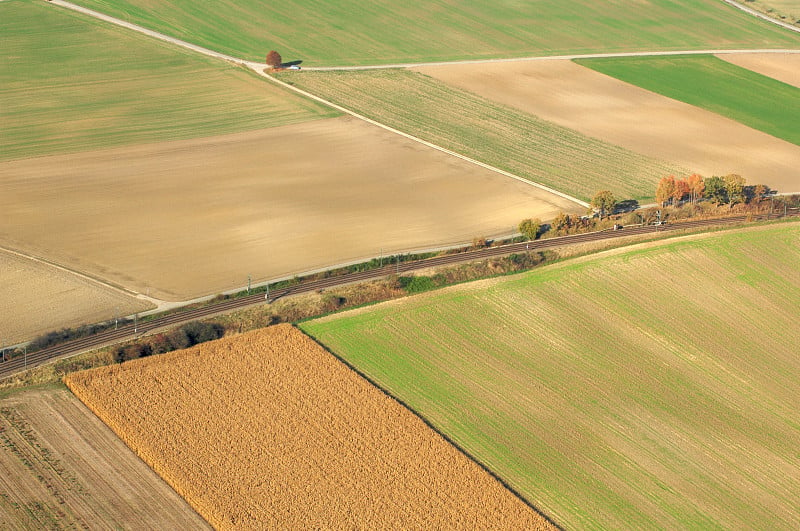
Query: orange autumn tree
[681, 190]
[666, 187]
[697, 187]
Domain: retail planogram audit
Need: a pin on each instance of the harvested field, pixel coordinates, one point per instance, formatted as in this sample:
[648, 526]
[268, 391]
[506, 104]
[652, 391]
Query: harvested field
[783, 67]
[384, 31]
[196, 217]
[71, 83]
[649, 387]
[518, 142]
[38, 298]
[268, 430]
[641, 121]
[62, 468]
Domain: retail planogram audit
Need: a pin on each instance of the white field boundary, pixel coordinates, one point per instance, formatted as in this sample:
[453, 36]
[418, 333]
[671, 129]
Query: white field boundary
[94, 280]
[557, 58]
[259, 68]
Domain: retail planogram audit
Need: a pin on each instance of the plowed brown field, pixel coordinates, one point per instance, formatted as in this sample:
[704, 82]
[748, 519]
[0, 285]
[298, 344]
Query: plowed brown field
[267, 430]
[616, 112]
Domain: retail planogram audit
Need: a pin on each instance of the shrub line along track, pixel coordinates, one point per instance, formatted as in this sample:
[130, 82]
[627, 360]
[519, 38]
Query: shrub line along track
[131, 331]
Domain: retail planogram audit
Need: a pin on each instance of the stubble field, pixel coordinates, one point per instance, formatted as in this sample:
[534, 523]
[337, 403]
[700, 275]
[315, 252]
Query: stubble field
[196, 217]
[382, 31]
[619, 113]
[651, 387]
[268, 430]
[62, 468]
[497, 134]
[38, 297]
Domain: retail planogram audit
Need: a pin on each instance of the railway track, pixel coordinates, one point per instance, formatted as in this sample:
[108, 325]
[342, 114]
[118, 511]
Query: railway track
[129, 331]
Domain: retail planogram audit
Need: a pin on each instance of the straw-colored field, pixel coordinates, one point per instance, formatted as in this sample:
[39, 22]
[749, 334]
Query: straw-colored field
[783, 67]
[622, 114]
[62, 468]
[197, 217]
[268, 430]
[651, 387]
[37, 298]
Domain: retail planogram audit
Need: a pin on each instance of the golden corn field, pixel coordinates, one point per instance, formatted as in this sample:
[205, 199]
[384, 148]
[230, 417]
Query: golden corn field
[267, 429]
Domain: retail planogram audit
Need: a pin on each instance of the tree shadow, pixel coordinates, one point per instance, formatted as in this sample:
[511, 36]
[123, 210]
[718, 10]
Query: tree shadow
[628, 205]
[291, 63]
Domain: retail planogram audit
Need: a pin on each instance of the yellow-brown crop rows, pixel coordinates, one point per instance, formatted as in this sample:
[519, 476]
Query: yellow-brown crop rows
[267, 430]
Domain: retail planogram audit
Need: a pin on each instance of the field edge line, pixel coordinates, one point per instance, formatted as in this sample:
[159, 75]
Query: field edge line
[259, 69]
[444, 436]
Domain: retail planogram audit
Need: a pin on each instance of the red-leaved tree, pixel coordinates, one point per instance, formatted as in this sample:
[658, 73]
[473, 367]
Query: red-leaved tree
[274, 59]
[681, 190]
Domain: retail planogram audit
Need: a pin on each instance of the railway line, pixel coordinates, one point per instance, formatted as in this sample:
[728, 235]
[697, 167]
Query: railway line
[129, 331]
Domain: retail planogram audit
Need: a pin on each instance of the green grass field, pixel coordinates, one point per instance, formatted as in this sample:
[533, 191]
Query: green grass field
[69, 83]
[382, 31]
[650, 387]
[753, 99]
[499, 135]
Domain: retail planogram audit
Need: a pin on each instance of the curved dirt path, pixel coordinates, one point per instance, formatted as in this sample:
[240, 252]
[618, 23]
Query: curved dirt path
[761, 15]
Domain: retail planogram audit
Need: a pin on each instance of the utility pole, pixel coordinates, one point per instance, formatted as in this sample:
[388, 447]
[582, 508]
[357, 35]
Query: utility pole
[135, 323]
[266, 297]
[248, 284]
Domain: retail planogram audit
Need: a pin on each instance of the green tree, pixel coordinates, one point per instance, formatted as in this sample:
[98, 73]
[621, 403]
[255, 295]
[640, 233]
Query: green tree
[604, 201]
[715, 190]
[530, 228]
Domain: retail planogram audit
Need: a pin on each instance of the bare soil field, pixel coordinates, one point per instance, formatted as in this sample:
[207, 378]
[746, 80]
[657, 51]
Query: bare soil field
[783, 67]
[37, 297]
[616, 112]
[196, 217]
[278, 433]
[62, 468]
